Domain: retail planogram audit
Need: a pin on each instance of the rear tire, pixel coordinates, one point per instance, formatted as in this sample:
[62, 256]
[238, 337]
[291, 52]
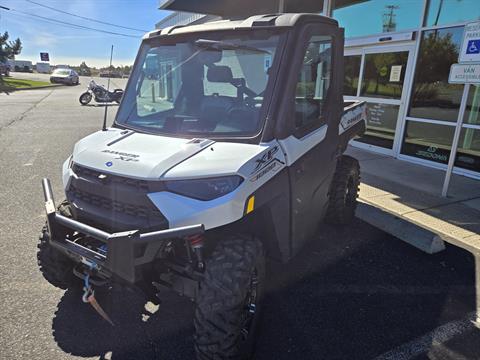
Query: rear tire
[229, 300]
[55, 267]
[85, 98]
[344, 191]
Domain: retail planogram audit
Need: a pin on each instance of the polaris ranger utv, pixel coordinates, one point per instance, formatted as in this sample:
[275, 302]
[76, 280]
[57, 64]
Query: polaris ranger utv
[227, 148]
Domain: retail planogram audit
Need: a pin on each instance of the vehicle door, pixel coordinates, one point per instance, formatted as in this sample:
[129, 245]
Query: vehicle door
[313, 106]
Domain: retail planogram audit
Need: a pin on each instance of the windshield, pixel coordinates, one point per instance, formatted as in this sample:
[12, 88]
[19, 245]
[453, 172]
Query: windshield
[211, 85]
[62, 72]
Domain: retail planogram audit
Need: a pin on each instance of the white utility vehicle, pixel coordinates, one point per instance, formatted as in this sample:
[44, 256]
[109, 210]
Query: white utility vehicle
[227, 148]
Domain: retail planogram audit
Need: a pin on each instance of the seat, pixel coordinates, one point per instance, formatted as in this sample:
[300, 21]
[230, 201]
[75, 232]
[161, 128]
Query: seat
[215, 109]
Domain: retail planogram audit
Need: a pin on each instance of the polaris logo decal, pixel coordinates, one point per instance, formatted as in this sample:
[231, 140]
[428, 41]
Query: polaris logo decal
[122, 156]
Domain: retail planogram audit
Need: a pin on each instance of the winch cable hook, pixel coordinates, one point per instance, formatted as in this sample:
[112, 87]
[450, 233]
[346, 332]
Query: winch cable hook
[89, 297]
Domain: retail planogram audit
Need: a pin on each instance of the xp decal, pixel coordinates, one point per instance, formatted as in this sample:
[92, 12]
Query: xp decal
[265, 158]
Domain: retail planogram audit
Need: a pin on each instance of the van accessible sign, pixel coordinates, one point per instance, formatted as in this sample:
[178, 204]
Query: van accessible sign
[468, 69]
[464, 74]
[470, 50]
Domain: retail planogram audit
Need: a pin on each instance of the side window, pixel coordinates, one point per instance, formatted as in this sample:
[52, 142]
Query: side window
[313, 83]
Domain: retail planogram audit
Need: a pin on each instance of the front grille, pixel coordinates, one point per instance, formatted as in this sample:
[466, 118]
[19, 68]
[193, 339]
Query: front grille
[91, 174]
[113, 202]
[113, 205]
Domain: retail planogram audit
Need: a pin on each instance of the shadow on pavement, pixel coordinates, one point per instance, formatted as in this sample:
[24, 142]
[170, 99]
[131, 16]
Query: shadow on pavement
[101, 105]
[4, 88]
[356, 293]
[353, 293]
[80, 331]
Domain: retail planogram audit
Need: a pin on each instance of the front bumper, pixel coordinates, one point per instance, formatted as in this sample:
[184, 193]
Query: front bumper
[126, 252]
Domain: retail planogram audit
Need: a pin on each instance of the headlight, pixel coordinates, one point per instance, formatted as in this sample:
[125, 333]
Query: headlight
[70, 162]
[205, 189]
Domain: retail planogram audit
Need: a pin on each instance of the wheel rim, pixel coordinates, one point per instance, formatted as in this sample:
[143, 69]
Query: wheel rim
[86, 98]
[250, 308]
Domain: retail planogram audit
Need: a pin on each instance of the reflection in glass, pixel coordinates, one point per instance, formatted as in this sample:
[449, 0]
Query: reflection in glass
[377, 16]
[381, 124]
[441, 12]
[428, 141]
[472, 111]
[352, 73]
[383, 75]
[432, 96]
[468, 153]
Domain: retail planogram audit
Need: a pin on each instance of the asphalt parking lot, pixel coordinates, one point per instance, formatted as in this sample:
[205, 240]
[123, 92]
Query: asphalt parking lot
[353, 293]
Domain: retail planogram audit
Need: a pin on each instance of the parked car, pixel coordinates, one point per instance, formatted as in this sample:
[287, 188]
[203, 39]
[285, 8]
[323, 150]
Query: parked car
[110, 74]
[85, 72]
[65, 76]
[4, 69]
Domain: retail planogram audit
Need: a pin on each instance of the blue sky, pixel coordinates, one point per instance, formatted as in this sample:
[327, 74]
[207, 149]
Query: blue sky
[72, 46]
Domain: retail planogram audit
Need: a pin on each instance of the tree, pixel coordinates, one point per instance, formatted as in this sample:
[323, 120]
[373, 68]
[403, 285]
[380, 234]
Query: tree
[437, 53]
[8, 49]
[84, 70]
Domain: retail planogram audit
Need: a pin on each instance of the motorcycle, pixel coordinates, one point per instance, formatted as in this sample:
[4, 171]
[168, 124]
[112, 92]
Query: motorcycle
[101, 94]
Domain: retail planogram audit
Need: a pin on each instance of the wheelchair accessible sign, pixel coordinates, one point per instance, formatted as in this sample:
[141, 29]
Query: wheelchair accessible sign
[470, 50]
[467, 71]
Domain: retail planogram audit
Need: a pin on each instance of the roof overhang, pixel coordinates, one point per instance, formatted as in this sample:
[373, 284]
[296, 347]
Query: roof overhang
[223, 8]
[243, 8]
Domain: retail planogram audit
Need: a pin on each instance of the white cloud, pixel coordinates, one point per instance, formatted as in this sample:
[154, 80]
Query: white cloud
[44, 39]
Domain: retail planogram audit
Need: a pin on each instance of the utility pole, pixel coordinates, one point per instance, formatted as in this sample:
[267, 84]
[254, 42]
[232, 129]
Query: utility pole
[104, 127]
[389, 23]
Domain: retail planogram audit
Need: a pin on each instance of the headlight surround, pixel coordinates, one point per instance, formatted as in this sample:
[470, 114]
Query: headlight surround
[205, 189]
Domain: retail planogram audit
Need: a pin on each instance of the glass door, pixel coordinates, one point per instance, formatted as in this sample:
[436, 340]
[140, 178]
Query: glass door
[377, 75]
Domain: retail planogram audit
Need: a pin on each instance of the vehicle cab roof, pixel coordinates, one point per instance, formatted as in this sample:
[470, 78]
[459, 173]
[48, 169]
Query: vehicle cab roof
[257, 21]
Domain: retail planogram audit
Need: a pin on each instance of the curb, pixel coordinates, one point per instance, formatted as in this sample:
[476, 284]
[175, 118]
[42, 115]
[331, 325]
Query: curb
[423, 239]
[32, 88]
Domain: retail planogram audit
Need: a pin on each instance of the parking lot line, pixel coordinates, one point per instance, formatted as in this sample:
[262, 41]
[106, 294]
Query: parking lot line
[437, 336]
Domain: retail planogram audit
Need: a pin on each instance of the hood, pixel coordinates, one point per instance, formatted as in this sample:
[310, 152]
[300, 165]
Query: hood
[143, 156]
[135, 155]
[61, 75]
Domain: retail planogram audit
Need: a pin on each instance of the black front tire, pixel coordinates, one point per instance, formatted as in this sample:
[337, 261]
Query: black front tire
[85, 98]
[344, 191]
[55, 267]
[229, 300]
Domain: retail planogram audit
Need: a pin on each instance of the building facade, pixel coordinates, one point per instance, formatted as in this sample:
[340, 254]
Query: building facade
[398, 55]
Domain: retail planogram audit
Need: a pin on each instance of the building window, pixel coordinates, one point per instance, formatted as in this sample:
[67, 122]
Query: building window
[377, 16]
[432, 96]
[442, 12]
[428, 141]
[384, 74]
[472, 111]
[381, 124]
[468, 152]
[352, 74]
